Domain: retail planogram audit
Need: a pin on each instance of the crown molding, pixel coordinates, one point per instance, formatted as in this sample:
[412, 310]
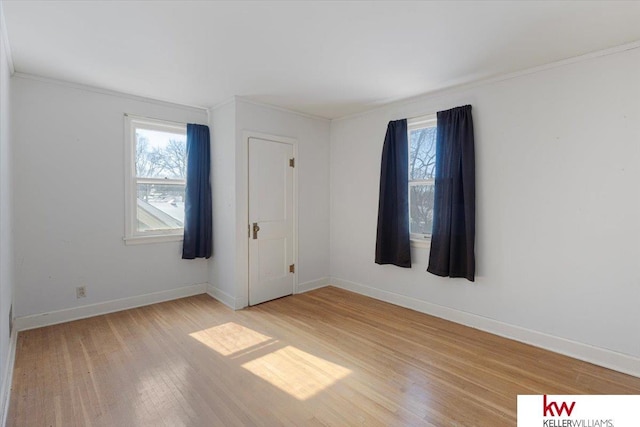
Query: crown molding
[237, 99]
[493, 79]
[109, 92]
[282, 109]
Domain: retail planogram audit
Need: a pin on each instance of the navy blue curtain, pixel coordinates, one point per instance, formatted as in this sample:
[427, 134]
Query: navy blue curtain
[198, 237]
[393, 239]
[454, 228]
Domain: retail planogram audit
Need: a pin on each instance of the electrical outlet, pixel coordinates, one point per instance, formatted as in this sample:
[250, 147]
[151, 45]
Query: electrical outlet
[81, 291]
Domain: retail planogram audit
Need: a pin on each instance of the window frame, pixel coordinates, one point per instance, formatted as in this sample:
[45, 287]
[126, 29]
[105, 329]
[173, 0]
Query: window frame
[132, 236]
[421, 122]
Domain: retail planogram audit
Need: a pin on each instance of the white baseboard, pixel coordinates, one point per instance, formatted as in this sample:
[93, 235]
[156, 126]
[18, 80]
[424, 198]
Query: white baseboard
[60, 316]
[311, 285]
[598, 356]
[7, 378]
[223, 297]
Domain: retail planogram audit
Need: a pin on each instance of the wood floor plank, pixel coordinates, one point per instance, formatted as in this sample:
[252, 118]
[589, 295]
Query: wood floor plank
[324, 358]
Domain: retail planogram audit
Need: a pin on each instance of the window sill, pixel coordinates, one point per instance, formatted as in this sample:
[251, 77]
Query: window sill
[421, 243]
[143, 240]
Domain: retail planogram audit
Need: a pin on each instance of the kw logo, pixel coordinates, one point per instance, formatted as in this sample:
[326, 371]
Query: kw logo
[548, 408]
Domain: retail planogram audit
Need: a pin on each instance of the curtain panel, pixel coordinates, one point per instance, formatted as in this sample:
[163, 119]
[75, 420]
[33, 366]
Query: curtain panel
[453, 237]
[393, 239]
[198, 225]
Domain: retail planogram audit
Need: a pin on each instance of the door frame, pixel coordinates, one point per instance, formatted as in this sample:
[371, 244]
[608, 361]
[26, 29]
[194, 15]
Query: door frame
[243, 212]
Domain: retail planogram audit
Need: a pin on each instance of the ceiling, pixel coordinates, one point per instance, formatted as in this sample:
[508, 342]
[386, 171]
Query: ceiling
[328, 59]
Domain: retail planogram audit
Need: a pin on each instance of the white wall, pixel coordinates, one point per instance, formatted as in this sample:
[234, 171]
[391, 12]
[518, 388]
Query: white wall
[558, 203]
[312, 162]
[222, 267]
[69, 200]
[6, 218]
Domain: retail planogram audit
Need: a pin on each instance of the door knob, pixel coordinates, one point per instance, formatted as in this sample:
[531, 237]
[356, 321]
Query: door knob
[256, 228]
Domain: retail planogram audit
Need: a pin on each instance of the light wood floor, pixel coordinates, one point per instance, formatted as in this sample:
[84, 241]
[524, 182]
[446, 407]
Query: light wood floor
[327, 357]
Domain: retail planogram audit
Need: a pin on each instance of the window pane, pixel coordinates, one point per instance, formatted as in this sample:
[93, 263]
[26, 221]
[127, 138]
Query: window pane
[421, 208]
[422, 153]
[160, 206]
[160, 154]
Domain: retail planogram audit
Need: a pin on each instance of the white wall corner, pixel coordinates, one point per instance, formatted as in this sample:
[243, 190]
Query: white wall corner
[220, 104]
[223, 297]
[5, 40]
[7, 378]
[33, 321]
[620, 362]
[311, 285]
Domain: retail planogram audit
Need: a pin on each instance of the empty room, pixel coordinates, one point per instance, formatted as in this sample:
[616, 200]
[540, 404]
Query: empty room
[322, 213]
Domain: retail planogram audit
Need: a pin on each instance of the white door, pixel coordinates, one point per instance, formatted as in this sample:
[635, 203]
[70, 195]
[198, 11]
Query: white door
[271, 224]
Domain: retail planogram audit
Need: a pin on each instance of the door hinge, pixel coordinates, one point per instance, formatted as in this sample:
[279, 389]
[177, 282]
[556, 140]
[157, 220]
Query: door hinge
[292, 162]
[292, 268]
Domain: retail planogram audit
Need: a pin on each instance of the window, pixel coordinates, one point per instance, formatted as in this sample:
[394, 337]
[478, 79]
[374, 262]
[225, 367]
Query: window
[155, 180]
[422, 164]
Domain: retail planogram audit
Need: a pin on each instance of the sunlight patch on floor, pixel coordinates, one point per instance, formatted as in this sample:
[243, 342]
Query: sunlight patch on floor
[298, 373]
[229, 338]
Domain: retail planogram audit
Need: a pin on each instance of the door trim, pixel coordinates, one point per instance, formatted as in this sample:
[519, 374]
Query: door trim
[243, 212]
